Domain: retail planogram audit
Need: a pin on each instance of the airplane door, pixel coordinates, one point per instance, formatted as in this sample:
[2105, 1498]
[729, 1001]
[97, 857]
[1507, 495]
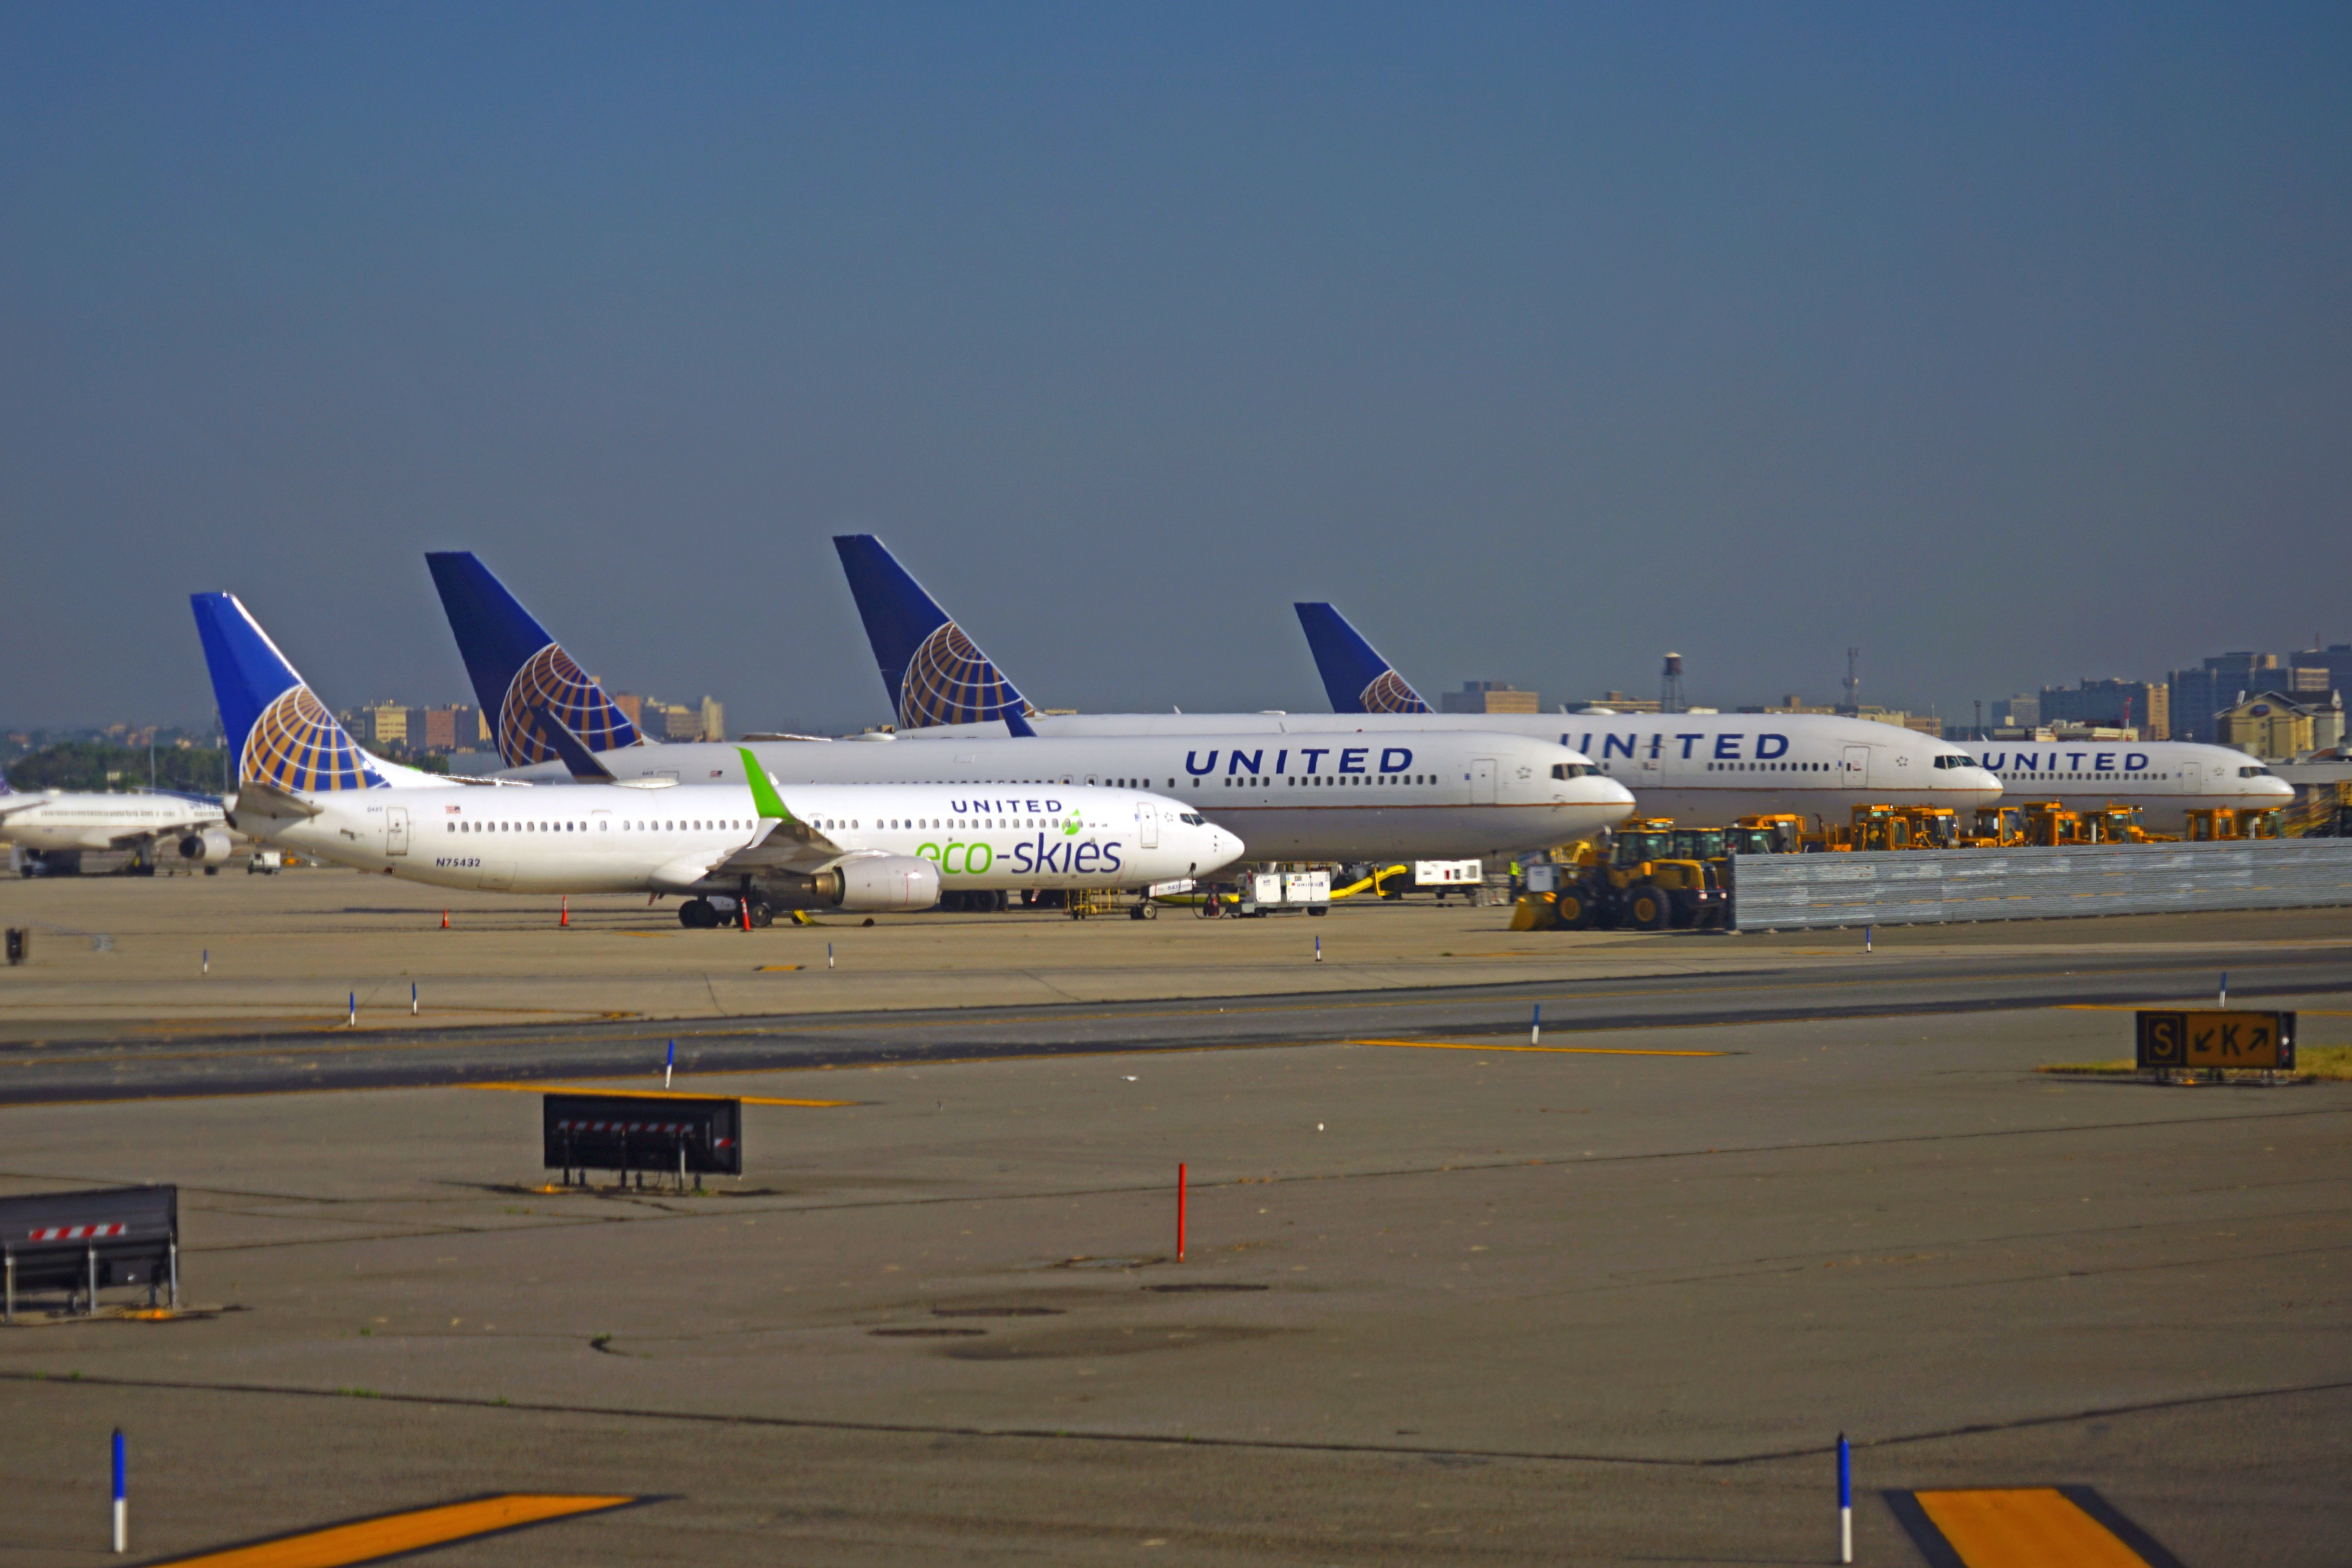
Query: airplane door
[395, 830]
[1146, 825]
[1857, 767]
[2195, 776]
[1482, 781]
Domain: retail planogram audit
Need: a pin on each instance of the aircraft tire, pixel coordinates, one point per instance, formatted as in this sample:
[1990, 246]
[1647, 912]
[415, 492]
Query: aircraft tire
[695, 914]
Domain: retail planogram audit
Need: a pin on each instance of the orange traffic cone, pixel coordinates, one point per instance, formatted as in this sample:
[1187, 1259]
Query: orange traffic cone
[444, 920]
[566, 921]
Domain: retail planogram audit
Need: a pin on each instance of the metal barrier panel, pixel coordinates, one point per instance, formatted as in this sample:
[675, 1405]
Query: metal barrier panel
[66, 1241]
[643, 1133]
[1781, 892]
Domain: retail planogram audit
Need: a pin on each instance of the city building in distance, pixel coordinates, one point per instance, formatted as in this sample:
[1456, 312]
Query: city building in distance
[1495, 697]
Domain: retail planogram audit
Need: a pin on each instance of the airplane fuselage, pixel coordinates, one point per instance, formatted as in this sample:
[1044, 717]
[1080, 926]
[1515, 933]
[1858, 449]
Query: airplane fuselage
[611, 839]
[1697, 768]
[1313, 797]
[86, 820]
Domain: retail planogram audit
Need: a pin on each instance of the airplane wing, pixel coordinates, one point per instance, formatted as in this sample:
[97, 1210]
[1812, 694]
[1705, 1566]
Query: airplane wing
[13, 804]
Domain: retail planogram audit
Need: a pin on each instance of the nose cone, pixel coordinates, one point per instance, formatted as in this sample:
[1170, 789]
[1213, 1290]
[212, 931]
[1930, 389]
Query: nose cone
[1221, 848]
[2276, 788]
[1983, 784]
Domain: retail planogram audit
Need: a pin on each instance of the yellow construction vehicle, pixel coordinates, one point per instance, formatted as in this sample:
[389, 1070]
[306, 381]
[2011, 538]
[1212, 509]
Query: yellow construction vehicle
[1782, 832]
[2115, 824]
[1646, 882]
[2233, 822]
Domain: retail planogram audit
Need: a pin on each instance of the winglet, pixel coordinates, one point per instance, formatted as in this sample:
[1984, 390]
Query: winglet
[1355, 677]
[578, 759]
[763, 793]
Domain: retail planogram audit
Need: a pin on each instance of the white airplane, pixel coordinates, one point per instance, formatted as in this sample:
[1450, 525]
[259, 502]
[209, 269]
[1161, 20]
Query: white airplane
[2166, 779]
[305, 785]
[1697, 768]
[53, 829]
[1432, 796]
[1704, 762]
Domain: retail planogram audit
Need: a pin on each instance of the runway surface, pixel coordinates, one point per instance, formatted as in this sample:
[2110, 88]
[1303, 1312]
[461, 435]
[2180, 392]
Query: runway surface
[111, 1064]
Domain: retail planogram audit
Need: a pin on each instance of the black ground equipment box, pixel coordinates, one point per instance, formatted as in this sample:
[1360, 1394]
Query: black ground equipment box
[83, 1243]
[672, 1135]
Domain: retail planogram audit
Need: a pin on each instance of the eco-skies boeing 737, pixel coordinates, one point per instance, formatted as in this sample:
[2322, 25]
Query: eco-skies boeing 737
[1434, 796]
[304, 784]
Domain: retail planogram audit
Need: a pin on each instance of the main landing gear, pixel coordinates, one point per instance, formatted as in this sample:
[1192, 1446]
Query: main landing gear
[705, 914]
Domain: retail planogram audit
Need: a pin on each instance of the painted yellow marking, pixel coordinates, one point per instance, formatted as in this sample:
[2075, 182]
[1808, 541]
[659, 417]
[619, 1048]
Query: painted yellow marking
[774, 968]
[654, 1094]
[2024, 1527]
[388, 1535]
[1548, 1050]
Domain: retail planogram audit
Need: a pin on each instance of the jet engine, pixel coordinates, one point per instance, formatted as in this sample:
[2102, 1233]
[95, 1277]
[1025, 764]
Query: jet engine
[870, 884]
[209, 847]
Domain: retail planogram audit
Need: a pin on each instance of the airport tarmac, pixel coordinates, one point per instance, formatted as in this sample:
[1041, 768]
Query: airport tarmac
[1608, 1300]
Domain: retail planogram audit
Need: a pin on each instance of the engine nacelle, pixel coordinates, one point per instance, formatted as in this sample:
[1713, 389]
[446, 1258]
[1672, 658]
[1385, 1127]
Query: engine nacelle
[879, 882]
[209, 847]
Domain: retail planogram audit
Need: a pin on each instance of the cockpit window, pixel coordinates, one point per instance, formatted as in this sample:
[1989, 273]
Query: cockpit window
[2255, 772]
[1573, 770]
[1956, 760]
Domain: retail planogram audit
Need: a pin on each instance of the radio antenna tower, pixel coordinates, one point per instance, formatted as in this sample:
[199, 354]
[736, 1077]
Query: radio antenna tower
[1852, 681]
[1670, 686]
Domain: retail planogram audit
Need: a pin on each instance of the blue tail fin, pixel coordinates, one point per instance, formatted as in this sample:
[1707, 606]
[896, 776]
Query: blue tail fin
[1356, 679]
[516, 667]
[280, 733]
[936, 674]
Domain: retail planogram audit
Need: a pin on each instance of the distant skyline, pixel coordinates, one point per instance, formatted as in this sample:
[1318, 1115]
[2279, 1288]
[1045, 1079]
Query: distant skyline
[2007, 343]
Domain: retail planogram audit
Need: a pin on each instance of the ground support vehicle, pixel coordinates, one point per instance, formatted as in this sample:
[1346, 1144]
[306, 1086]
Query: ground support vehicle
[1644, 882]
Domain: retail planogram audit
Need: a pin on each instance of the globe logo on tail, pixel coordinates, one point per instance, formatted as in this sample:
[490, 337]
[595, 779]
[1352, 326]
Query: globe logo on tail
[550, 680]
[951, 681]
[1390, 694]
[295, 745]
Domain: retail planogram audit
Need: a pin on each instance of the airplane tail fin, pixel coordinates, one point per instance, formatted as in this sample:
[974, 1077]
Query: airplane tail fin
[936, 674]
[517, 669]
[1355, 677]
[276, 728]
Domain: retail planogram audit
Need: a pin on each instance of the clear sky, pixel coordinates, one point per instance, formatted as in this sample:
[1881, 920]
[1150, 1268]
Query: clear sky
[2009, 344]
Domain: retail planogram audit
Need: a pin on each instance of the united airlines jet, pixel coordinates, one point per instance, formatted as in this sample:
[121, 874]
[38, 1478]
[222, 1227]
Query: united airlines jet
[1707, 768]
[1821, 764]
[304, 784]
[1455, 794]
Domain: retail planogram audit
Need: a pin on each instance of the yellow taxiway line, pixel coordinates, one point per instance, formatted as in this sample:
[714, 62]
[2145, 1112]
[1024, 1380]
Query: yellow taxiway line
[653, 1094]
[391, 1534]
[2023, 1527]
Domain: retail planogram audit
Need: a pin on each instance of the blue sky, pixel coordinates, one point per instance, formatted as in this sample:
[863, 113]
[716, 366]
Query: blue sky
[2009, 344]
